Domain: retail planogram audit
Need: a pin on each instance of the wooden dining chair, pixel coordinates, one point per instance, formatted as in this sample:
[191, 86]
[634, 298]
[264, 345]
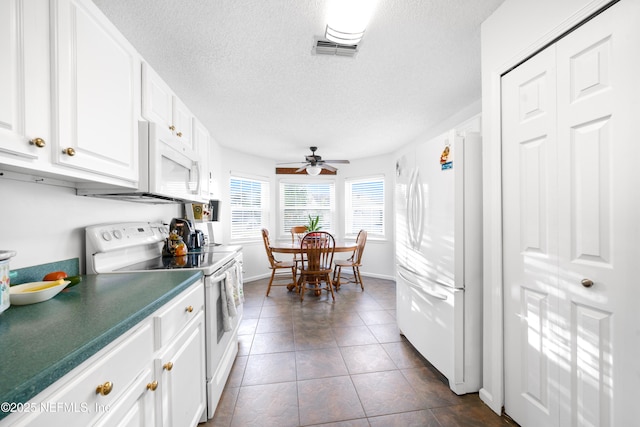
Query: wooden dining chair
[355, 261]
[276, 265]
[297, 233]
[318, 248]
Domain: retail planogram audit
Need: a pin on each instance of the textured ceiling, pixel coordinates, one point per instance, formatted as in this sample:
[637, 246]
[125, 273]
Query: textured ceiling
[246, 69]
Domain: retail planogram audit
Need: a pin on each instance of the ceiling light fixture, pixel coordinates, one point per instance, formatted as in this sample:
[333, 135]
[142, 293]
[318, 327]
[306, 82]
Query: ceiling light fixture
[348, 20]
[314, 170]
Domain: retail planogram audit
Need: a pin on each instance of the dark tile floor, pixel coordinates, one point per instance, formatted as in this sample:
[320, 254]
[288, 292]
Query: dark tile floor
[336, 364]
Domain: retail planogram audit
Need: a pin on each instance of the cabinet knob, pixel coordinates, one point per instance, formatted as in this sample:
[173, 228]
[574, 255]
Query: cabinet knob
[172, 128]
[38, 142]
[168, 366]
[69, 152]
[587, 283]
[189, 309]
[152, 386]
[105, 388]
[179, 134]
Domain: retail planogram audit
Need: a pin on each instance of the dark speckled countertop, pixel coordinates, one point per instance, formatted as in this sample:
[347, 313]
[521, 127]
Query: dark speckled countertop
[42, 342]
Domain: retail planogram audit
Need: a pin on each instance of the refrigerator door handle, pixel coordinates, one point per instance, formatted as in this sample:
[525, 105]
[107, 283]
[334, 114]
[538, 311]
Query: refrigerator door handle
[443, 283]
[422, 290]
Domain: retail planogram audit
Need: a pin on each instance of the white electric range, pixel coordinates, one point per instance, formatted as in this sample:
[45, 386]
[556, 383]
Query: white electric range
[137, 247]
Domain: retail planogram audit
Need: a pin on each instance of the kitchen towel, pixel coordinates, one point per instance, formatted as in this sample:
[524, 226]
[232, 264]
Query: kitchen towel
[233, 295]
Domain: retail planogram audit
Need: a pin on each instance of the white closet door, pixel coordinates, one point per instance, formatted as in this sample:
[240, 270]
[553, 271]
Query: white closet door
[571, 212]
[529, 187]
[599, 174]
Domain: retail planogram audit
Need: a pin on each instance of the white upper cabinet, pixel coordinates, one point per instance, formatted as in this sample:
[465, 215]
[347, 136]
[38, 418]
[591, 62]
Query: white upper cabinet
[160, 105]
[24, 82]
[95, 92]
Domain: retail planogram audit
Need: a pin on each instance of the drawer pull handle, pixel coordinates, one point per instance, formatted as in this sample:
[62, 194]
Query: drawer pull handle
[105, 388]
[69, 152]
[152, 386]
[38, 142]
[168, 366]
[172, 128]
[189, 309]
[179, 134]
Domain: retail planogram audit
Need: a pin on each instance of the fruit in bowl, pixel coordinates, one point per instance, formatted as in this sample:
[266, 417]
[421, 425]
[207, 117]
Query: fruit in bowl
[34, 292]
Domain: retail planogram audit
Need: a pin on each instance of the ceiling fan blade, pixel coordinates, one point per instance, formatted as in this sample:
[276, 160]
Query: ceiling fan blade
[301, 169]
[291, 163]
[328, 167]
[346, 162]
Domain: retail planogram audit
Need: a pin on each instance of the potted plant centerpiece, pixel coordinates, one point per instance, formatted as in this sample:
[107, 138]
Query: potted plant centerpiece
[314, 224]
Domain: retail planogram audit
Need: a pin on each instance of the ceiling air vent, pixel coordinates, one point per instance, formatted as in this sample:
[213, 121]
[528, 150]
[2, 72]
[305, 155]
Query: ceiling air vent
[323, 47]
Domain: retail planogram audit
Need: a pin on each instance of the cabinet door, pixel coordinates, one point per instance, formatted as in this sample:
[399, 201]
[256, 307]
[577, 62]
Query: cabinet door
[24, 81]
[96, 92]
[183, 120]
[182, 377]
[157, 100]
[136, 408]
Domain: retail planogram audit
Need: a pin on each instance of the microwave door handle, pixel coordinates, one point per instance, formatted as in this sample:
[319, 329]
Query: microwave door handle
[196, 165]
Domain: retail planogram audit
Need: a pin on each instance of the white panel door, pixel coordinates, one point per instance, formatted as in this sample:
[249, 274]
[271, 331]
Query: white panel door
[599, 174]
[530, 248]
[576, 307]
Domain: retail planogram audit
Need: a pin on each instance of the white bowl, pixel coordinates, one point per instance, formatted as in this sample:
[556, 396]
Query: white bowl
[21, 296]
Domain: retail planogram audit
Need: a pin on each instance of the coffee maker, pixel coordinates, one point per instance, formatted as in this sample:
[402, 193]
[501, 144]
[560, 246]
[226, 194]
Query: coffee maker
[194, 239]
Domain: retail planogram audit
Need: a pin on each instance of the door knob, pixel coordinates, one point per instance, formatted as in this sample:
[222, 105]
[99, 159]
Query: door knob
[587, 283]
[105, 388]
[38, 142]
[168, 366]
[152, 386]
[69, 152]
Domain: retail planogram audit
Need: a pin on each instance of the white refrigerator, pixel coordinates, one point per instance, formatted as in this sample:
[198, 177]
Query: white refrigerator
[438, 211]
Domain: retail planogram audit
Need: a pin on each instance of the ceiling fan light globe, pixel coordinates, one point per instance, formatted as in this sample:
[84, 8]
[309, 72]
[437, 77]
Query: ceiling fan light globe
[313, 170]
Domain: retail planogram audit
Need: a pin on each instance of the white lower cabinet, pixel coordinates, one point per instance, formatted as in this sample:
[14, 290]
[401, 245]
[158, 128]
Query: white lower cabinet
[136, 408]
[134, 381]
[90, 391]
[182, 377]
[180, 359]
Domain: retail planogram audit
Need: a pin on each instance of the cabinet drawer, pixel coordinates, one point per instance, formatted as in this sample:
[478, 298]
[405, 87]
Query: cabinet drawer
[171, 319]
[78, 402]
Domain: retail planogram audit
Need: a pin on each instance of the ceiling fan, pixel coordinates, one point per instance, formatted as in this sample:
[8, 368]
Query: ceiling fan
[314, 163]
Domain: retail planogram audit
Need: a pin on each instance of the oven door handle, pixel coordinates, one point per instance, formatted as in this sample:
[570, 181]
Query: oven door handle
[218, 278]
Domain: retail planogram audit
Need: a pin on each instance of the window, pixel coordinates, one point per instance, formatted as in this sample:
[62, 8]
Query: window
[249, 204]
[364, 206]
[298, 200]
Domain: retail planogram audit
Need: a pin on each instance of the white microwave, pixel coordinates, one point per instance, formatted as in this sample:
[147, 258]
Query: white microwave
[170, 171]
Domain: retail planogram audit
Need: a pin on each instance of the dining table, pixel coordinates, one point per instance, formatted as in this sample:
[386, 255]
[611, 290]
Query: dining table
[294, 248]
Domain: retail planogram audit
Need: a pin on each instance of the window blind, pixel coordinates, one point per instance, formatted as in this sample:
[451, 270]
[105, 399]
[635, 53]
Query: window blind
[364, 206]
[249, 203]
[299, 200]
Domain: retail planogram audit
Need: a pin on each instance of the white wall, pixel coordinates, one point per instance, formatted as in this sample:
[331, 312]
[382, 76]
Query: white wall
[515, 31]
[45, 223]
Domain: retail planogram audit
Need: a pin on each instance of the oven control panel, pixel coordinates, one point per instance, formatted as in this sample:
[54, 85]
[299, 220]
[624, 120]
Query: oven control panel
[109, 237]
